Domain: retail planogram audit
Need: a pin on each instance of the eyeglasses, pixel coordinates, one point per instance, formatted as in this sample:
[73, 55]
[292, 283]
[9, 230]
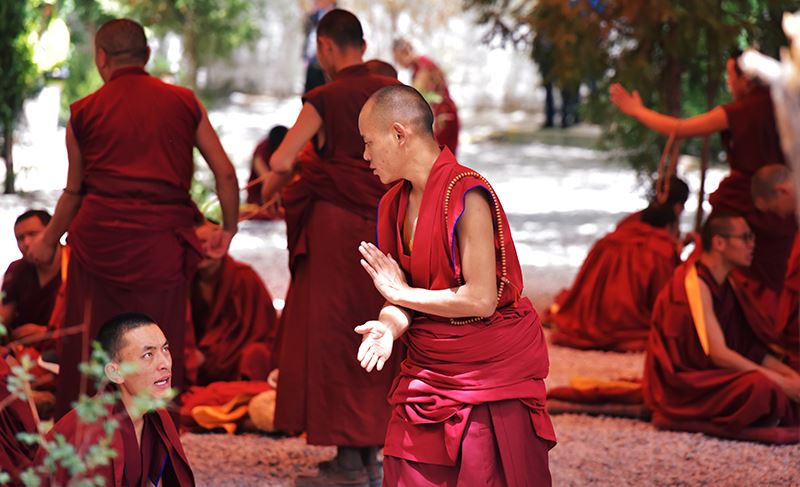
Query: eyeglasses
[746, 237]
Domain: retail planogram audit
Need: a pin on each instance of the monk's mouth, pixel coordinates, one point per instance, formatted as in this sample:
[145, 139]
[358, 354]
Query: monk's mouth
[163, 382]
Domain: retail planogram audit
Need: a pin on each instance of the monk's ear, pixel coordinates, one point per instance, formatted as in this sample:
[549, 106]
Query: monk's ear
[400, 132]
[113, 373]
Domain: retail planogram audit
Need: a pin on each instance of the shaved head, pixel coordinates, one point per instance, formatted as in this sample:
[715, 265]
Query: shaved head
[124, 41]
[720, 222]
[766, 180]
[403, 104]
[342, 27]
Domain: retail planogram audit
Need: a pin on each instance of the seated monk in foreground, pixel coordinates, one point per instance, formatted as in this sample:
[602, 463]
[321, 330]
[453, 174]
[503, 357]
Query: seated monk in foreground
[610, 302]
[16, 416]
[706, 369]
[233, 319]
[774, 192]
[148, 447]
[468, 407]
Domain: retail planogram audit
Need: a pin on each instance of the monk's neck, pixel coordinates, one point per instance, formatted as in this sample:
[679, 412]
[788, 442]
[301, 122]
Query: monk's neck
[420, 168]
[718, 267]
[348, 61]
[46, 272]
[136, 419]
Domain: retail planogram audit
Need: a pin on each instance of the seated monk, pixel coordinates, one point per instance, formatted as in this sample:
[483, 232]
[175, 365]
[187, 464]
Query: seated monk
[148, 447]
[259, 164]
[30, 289]
[16, 416]
[610, 302]
[233, 319]
[774, 192]
[707, 369]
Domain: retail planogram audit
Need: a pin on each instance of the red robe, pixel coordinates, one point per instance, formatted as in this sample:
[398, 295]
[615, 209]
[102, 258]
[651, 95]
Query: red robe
[788, 320]
[264, 150]
[322, 389]
[15, 417]
[133, 242]
[752, 142]
[159, 458]
[445, 113]
[459, 380]
[610, 302]
[236, 331]
[687, 391]
[34, 302]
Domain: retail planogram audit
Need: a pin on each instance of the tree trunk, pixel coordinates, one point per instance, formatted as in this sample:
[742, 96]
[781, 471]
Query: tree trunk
[190, 52]
[673, 70]
[8, 155]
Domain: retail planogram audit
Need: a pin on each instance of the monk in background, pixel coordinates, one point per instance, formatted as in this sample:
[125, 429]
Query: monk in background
[127, 204]
[707, 369]
[429, 80]
[321, 390]
[468, 407]
[774, 192]
[611, 300]
[234, 321]
[259, 163]
[16, 416]
[147, 445]
[750, 138]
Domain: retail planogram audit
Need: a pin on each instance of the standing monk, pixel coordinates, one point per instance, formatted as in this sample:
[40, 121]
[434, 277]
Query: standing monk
[469, 403]
[127, 204]
[774, 192]
[429, 79]
[750, 138]
[321, 390]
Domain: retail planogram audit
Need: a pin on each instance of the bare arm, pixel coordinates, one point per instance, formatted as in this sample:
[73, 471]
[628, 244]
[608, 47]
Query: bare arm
[476, 297]
[7, 312]
[306, 126]
[711, 122]
[224, 174]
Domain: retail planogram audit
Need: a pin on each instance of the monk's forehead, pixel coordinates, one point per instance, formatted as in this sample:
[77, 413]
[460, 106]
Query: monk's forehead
[140, 338]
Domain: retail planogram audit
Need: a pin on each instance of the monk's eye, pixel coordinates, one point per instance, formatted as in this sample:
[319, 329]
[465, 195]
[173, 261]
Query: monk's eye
[148, 355]
[166, 348]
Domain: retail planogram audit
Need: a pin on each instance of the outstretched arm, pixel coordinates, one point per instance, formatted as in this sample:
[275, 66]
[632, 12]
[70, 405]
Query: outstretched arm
[631, 104]
[476, 297]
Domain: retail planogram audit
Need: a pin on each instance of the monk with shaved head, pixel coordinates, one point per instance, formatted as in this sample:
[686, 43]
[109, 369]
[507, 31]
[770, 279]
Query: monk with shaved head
[126, 202]
[468, 406]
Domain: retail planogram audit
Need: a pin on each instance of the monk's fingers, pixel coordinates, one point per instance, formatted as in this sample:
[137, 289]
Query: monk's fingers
[381, 362]
[368, 356]
[372, 362]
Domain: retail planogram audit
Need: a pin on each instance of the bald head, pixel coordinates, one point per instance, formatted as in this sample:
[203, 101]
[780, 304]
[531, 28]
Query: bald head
[342, 27]
[403, 104]
[767, 180]
[123, 41]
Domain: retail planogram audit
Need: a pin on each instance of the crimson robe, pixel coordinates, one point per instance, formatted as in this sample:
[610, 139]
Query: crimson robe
[264, 150]
[788, 320]
[445, 112]
[239, 323]
[15, 417]
[322, 389]
[751, 142]
[34, 301]
[687, 391]
[459, 381]
[610, 302]
[133, 242]
[159, 458]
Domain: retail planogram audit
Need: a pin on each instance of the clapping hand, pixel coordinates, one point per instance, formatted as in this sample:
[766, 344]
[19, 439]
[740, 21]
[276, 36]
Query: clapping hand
[376, 344]
[386, 274]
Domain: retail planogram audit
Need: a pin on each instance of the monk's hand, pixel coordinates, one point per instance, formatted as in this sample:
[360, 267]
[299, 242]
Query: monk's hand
[274, 207]
[386, 274]
[628, 103]
[791, 386]
[29, 333]
[217, 244]
[376, 344]
[40, 251]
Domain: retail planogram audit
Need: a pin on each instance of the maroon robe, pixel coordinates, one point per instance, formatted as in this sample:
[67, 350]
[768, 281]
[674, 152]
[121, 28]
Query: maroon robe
[264, 150]
[752, 142]
[322, 389]
[788, 320]
[461, 380]
[133, 243]
[236, 331]
[687, 391]
[33, 301]
[15, 417]
[159, 458]
[610, 302]
[445, 113]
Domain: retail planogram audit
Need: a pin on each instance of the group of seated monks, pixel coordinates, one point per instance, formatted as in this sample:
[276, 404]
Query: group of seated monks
[719, 360]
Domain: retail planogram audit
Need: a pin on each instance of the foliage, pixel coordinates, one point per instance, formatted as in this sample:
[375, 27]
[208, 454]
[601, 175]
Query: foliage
[672, 51]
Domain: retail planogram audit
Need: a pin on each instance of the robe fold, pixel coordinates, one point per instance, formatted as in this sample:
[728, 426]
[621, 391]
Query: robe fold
[455, 376]
[160, 458]
[322, 389]
[750, 143]
[133, 243]
[15, 417]
[608, 306]
[687, 391]
[788, 320]
[239, 322]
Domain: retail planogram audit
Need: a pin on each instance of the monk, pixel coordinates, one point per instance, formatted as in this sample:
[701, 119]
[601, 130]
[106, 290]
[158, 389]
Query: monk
[774, 192]
[707, 368]
[382, 68]
[429, 79]
[233, 318]
[259, 165]
[610, 302]
[320, 390]
[749, 135]
[468, 407]
[30, 288]
[148, 446]
[127, 204]
[16, 416]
